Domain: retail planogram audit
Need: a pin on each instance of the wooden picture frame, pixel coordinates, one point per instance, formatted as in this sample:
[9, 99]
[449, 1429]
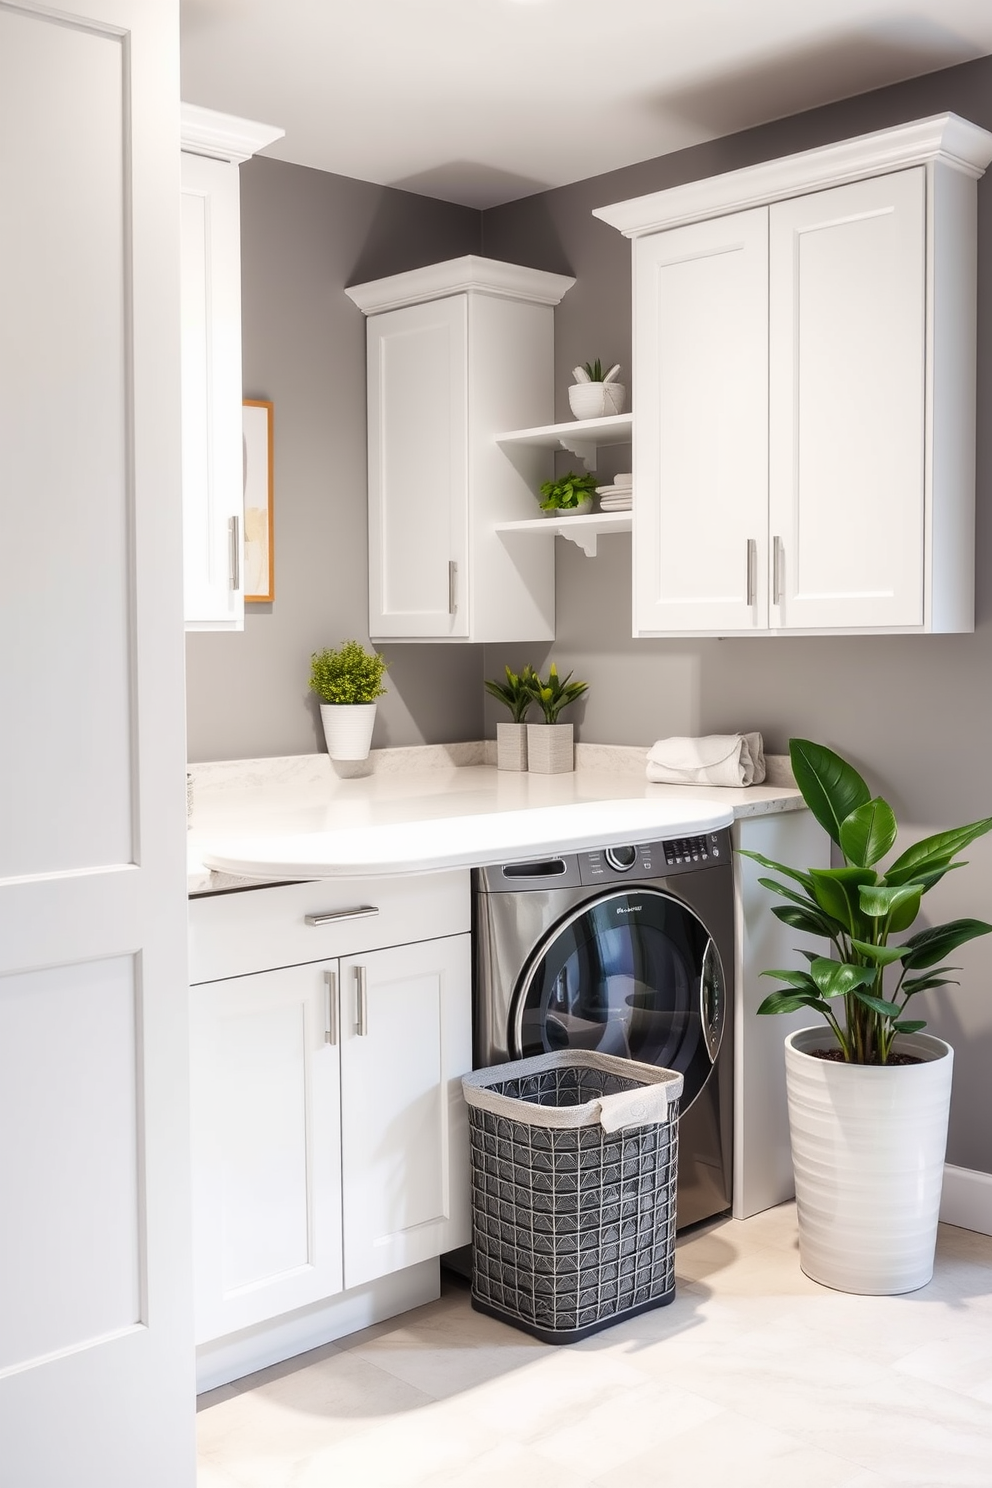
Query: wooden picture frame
[259, 553]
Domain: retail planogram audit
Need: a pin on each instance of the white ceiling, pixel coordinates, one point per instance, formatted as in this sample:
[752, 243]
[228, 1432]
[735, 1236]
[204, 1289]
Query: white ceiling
[483, 101]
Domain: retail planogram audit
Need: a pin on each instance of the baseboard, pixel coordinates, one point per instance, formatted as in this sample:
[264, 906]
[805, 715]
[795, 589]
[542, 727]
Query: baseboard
[226, 1359]
[966, 1199]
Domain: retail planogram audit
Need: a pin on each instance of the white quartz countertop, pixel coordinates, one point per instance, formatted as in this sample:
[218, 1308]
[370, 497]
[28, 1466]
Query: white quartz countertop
[422, 810]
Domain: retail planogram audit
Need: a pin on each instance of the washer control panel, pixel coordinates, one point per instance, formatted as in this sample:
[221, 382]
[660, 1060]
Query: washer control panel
[655, 859]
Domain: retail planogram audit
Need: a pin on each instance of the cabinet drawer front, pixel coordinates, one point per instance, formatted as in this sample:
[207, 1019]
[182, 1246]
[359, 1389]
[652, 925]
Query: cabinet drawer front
[258, 929]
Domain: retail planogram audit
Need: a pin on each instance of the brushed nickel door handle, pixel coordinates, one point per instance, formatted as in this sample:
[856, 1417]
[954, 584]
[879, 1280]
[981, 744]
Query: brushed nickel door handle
[752, 558]
[362, 1024]
[331, 983]
[331, 916]
[778, 554]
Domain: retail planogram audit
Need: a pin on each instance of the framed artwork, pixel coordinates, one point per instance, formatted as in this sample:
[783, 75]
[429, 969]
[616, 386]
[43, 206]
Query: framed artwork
[256, 416]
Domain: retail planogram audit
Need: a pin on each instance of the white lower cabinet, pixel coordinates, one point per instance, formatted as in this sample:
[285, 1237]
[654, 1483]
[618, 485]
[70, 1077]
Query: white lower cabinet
[330, 1141]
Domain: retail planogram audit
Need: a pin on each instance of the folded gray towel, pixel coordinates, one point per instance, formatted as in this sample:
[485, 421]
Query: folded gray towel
[715, 759]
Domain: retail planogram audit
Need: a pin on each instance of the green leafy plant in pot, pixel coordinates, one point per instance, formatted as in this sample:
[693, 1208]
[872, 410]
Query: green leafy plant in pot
[570, 493]
[868, 1093]
[515, 693]
[550, 747]
[348, 680]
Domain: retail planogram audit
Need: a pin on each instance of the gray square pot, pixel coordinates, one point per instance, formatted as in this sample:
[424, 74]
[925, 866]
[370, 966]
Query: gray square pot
[549, 748]
[511, 746]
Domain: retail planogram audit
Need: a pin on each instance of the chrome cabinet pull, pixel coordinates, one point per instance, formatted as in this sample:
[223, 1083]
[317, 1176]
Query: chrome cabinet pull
[778, 553]
[235, 529]
[362, 1026]
[452, 586]
[752, 558]
[331, 983]
[331, 916]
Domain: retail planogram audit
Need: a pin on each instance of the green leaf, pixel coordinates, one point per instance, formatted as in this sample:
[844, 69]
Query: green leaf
[799, 979]
[838, 978]
[935, 852]
[868, 833]
[879, 955]
[837, 892]
[831, 788]
[929, 946]
[879, 902]
[777, 888]
[790, 1002]
[912, 1025]
[807, 920]
[802, 878]
[877, 1004]
[929, 980]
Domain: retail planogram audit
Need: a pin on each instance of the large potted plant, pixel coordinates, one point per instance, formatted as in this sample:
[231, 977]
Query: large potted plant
[868, 1091]
[550, 749]
[348, 681]
[516, 693]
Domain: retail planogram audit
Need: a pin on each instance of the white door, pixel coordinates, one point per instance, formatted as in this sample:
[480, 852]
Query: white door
[213, 458]
[266, 1145]
[418, 470]
[701, 427]
[96, 1340]
[847, 370]
[406, 1041]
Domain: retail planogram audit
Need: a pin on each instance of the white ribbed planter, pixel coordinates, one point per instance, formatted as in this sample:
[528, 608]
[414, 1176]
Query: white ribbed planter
[596, 399]
[348, 729]
[550, 748]
[868, 1148]
[511, 746]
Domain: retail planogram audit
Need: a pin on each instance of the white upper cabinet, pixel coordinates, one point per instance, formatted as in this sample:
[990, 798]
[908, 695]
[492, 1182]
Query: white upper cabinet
[457, 352]
[804, 383]
[213, 145]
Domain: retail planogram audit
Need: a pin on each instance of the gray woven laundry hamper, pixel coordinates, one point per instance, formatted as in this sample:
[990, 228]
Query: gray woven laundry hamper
[573, 1226]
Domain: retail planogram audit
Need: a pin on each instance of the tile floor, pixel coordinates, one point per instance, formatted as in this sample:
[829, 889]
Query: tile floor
[753, 1376]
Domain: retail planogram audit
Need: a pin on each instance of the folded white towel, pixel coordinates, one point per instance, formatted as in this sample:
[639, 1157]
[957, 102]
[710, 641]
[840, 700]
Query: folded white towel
[716, 759]
[646, 1106]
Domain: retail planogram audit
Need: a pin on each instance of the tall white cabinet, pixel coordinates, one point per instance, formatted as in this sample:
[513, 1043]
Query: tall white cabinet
[213, 148]
[804, 390]
[457, 353]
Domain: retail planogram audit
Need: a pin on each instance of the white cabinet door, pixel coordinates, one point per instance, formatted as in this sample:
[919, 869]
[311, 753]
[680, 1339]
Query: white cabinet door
[406, 1040]
[96, 1385]
[701, 427]
[847, 401]
[418, 470]
[266, 1146]
[213, 486]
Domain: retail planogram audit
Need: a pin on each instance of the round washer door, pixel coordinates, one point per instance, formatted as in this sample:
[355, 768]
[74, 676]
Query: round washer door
[631, 972]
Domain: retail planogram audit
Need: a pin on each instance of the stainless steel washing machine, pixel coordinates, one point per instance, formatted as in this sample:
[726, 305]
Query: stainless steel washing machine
[629, 950]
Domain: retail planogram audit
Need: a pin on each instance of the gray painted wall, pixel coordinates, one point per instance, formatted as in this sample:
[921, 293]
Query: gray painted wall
[913, 712]
[305, 235]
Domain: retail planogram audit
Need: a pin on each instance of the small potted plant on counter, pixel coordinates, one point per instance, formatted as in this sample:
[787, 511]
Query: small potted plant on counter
[595, 393]
[517, 694]
[868, 1092]
[347, 681]
[571, 493]
[550, 744]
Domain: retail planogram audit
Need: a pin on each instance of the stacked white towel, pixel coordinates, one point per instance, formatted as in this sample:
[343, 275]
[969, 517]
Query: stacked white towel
[715, 759]
[618, 496]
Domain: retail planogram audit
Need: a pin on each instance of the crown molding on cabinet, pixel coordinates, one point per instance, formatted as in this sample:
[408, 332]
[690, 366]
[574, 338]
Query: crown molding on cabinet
[223, 136]
[963, 146]
[490, 276]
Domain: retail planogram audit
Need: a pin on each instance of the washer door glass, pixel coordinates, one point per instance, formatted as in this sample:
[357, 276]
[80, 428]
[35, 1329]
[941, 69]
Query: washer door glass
[632, 973]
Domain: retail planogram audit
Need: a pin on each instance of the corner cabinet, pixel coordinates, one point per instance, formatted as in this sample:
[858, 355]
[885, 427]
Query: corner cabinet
[213, 147]
[804, 377]
[457, 352]
[330, 1143]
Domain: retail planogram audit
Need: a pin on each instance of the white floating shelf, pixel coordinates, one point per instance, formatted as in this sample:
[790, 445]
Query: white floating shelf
[583, 531]
[581, 437]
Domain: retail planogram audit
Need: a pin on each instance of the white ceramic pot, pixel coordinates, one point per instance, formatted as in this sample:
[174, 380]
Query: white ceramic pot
[550, 748]
[596, 399]
[868, 1147]
[348, 729]
[511, 746]
[582, 510]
